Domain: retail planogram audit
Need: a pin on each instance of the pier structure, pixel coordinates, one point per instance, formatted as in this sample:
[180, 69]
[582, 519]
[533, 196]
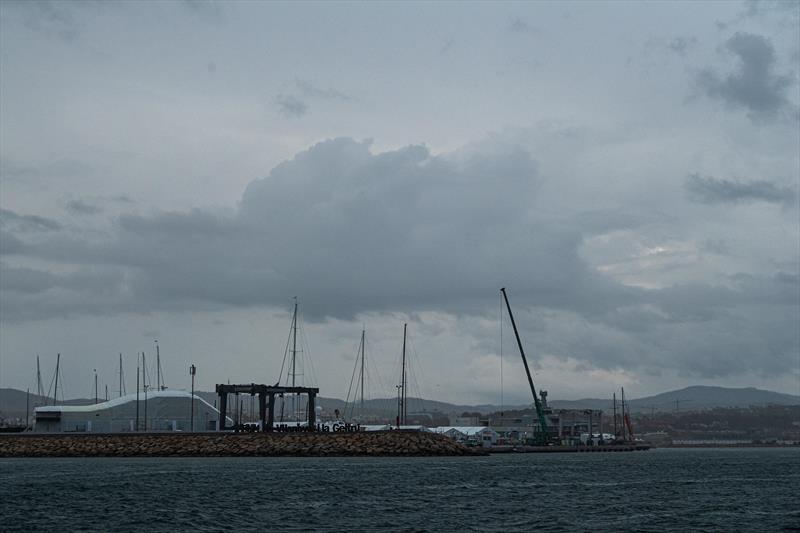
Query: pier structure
[266, 402]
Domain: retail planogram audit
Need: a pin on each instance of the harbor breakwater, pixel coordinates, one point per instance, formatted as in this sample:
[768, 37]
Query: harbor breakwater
[378, 443]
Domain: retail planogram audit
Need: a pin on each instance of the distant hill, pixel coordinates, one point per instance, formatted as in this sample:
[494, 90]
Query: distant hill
[12, 402]
[695, 398]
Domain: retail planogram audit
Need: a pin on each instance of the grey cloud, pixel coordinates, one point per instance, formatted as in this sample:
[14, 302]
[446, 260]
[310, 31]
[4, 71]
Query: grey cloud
[79, 207]
[310, 90]
[351, 231]
[754, 85]
[682, 45]
[26, 223]
[208, 10]
[55, 19]
[65, 21]
[294, 102]
[598, 222]
[519, 25]
[193, 223]
[28, 292]
[14, 171]
[26, 280]
[716, 246]
[448, 44]
[291, 106]
[760, 8]
[10, 244]
[709, 190]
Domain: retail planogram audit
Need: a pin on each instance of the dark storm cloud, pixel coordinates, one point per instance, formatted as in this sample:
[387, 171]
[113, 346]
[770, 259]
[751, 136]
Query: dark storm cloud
[709, 190]
[79, 207]
[754, 85]
[291, 106]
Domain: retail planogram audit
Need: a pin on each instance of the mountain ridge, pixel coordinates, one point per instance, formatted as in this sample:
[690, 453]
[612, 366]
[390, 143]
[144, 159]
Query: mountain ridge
[692, 398]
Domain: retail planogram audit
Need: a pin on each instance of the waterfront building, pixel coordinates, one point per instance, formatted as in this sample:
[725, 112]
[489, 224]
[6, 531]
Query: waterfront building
[566, 424]
[477, 435]
[166, 410]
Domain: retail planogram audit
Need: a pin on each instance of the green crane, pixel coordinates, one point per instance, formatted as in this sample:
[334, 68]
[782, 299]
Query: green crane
[542, 437]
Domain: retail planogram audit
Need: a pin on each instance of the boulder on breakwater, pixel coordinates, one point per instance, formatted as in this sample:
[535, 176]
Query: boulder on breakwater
[377, 443]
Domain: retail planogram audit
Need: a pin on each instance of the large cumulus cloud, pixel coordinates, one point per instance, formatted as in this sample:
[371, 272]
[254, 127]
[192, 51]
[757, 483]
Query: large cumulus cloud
[352, 231]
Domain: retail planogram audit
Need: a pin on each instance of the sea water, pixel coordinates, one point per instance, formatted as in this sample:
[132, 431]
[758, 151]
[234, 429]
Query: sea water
[657, 490]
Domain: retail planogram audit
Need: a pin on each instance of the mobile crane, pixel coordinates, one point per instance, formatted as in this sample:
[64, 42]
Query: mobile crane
[542, 438]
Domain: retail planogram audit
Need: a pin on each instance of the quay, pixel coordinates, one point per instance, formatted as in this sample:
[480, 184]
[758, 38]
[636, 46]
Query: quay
[570, 449]
[218, 444]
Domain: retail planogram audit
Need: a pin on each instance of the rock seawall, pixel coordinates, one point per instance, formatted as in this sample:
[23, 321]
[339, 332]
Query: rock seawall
[378, 443]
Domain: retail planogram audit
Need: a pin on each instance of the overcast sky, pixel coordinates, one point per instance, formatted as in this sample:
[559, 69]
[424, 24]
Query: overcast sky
[180, 171]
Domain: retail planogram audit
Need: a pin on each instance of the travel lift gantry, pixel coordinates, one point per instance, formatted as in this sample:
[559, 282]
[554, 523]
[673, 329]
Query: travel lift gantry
[266, 402]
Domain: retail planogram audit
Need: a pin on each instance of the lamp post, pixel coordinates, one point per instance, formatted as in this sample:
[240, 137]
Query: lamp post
[192, 372]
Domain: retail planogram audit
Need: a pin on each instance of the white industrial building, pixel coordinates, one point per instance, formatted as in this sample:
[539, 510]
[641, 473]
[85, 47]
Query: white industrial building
[166, 410]
[480, 435]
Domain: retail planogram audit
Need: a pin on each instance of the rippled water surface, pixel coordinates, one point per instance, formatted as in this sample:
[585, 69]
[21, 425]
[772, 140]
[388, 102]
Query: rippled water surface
[659, 490]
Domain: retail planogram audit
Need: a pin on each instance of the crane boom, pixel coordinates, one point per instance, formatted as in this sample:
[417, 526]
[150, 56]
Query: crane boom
[539, 410]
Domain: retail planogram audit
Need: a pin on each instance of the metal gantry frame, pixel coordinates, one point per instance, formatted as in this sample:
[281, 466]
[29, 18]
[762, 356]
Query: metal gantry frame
[266, 402]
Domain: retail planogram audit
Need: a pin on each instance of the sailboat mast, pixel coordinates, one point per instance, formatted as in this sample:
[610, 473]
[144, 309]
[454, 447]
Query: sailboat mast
[55, 391]
[158, 367]
[615, 415]
[294, 340]
[403, 381]
[624, 436]
[38, 378]
[144, 386]
[362, 372]
[294, 356]
[137, 392]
